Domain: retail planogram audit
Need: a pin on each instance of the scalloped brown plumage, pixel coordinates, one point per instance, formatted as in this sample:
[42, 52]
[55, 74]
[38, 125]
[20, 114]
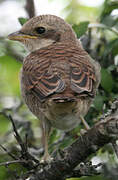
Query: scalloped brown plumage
[58, 79]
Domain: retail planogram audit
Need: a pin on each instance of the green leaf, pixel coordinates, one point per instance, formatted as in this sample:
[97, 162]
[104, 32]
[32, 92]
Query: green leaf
[22, 20]
[9, 81]
[53, 136]
[106, 80]
[98, 102]
[81, 28]
[4, 125]
[108, 7]
[112, 47]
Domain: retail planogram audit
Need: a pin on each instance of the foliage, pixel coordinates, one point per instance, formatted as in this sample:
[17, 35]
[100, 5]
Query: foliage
[22, 20]
[81, 28]
[107, 16]
[100, 40]
[76, 12]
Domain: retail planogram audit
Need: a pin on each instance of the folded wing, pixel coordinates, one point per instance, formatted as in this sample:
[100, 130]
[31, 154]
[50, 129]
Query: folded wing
[82, 77]
[40, 81]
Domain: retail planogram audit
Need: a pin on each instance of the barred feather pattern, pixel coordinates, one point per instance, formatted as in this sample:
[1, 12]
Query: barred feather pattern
[56, 68]
[59, 81]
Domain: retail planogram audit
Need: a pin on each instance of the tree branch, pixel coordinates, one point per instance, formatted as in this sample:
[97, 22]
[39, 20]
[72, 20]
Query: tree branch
[11, 52]
[102, 133]
[30, 8]
[63, 166]
[12, 162]
[86, 169]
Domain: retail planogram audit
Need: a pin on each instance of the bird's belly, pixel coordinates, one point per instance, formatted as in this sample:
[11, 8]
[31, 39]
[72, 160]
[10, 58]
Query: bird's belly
[65, 121]
[63, 116]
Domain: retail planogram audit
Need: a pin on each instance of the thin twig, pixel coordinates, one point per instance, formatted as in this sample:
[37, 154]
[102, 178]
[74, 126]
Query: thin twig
[115, 147]
[17, 136]
[24, 147]
[11, 155]
[92, 25]
[12, 162]
[26, 141]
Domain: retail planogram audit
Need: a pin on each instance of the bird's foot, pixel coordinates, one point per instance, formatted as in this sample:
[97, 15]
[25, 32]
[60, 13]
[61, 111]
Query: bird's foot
[83, 131]
[46, 158]
[87, 127]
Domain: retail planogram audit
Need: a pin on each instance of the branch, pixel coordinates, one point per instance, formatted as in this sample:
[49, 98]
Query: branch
[63, 166]
[15, 55]
[86, 169]
[30, 8]
[11, 51]
[10, 154]
[102, 133]
[98, 25]
[24, 147]
[12, 162]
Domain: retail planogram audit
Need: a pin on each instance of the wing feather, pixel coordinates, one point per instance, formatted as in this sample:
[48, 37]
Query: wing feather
[82, 76]
[46, 73]
[41, 80]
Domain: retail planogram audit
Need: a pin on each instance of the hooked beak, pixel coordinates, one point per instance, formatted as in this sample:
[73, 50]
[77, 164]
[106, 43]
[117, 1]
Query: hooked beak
[19, 36]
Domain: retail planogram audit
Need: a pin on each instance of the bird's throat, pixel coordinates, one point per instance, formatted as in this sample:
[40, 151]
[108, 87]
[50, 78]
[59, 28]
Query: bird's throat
[35, 44]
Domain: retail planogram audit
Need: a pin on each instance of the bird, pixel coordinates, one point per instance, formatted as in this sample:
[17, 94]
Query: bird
[59, 79]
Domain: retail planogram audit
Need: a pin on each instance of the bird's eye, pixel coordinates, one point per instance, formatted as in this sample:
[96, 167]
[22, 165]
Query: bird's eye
[40, 30]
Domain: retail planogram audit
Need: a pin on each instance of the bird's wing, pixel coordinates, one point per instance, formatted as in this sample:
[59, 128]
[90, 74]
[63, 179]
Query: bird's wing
[40, 79]
[82, 75]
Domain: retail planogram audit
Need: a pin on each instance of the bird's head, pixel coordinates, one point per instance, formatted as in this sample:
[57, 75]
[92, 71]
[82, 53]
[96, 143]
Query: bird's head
[42, 31]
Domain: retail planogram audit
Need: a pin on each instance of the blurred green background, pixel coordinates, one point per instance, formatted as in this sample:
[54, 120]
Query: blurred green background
[96, 24]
